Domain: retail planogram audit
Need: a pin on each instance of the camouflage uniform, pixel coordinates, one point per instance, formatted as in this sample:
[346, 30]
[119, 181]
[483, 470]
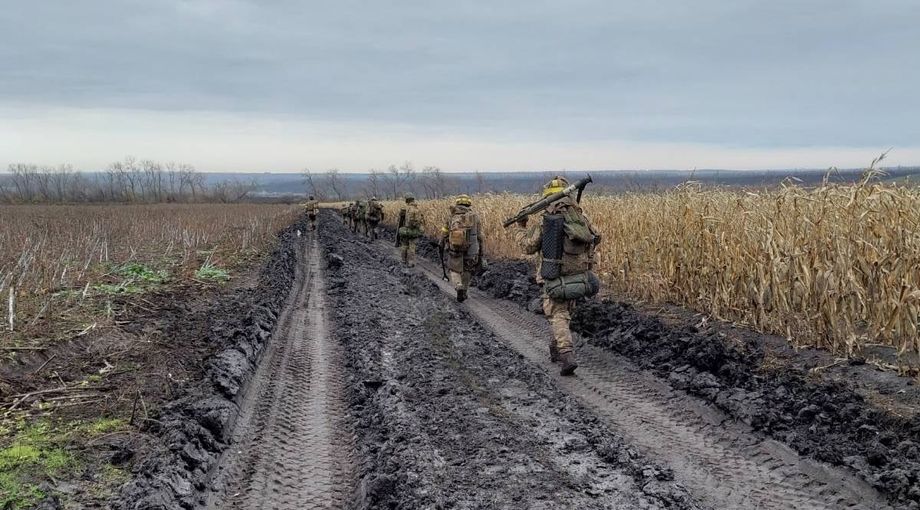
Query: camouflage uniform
[360, 210]
[372, 218]
[352, 210]
[312, 208]
[559, 311]
[461, 263]
[344, 212]
[411, 231]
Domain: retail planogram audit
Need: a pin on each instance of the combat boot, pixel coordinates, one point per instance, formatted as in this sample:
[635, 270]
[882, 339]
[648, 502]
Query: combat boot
[568, 363]
[553, 350]
[461, 295]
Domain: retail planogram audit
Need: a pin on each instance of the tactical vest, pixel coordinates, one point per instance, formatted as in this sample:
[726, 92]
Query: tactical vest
[567, 244]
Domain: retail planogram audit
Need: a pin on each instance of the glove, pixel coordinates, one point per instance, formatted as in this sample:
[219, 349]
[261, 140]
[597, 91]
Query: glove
[522, 222]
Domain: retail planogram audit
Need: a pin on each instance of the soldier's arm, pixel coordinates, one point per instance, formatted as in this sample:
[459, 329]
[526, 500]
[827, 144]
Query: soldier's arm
[529, 239]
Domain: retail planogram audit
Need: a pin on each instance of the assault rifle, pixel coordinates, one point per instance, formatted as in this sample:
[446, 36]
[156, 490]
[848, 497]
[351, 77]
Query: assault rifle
[400, 224]
[441, 258]
[544, 202]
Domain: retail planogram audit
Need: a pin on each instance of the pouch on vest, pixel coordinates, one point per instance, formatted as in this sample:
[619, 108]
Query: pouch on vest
[553, 237]
[458, 239]
[578, 237]
[574, 286]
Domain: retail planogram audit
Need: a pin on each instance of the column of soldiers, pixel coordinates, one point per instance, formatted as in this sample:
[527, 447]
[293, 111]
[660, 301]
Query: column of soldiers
[363, 217]
[564, 240]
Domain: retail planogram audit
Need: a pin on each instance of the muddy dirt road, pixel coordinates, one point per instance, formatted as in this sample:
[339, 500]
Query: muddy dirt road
[378, 390]
[291, 447]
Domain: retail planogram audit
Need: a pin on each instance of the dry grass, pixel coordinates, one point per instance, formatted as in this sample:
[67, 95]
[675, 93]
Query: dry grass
[55, 259]
[836, 266]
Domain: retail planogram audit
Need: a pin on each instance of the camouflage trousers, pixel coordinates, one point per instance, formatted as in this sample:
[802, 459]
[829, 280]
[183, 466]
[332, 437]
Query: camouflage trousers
[559, 314]
[312, 218]
[407, 250]
[370, 229]
[460, 281]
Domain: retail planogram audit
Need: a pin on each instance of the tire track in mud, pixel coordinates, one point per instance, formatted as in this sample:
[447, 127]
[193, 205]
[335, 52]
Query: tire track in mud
[448, 417]
[724, 463]
[291, 447]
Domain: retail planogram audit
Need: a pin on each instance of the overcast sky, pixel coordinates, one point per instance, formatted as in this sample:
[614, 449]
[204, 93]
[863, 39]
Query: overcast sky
[494, 85]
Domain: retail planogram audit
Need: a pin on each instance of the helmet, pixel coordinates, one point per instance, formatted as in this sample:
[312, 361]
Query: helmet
[310, 197]
[410, 198]
[555, 186]
[374, 198]
[463, 200]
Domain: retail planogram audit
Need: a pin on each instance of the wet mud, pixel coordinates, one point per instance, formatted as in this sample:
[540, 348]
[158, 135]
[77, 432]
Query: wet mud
[192, 430]
[756, 381]
[447, 416]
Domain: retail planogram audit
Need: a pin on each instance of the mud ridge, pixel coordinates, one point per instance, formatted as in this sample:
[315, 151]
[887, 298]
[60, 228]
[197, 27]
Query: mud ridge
[824, 419]
[193, 428]
[448, 416]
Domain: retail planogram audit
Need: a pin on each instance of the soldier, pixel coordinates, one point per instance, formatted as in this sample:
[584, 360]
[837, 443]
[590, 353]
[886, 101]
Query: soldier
[565, 241]
[312, 207]
[344, 212]
[410, 231]
[463, 241]
[360, 211]
[373, 217]
[352, 211]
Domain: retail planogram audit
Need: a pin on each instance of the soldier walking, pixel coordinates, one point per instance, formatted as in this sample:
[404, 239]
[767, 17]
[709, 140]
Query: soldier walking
[565, 242]
[344, 211]
[411, 222]
[312, 208]
[360, 211]
[373, 217]
[462, 240]
[352, 208]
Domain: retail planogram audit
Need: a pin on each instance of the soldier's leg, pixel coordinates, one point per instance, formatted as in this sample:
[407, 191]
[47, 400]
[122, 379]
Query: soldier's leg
[456, 279]
[410, 255]
[404, 251]
[465, 279]
[558, 313]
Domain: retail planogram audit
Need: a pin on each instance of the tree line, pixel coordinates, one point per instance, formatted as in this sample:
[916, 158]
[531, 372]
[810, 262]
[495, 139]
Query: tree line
[429, 183]
[130, 180]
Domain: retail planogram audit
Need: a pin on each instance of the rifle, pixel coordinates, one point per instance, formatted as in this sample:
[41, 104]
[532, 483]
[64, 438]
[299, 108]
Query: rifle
[441, 258]
[400, 225]
[544, 202]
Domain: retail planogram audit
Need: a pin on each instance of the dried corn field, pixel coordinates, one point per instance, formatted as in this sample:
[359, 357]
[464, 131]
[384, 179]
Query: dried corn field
[836, 266]
[52, 258]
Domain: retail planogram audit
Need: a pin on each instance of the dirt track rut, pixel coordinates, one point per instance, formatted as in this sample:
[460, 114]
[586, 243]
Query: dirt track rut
[291, 446]
[723, 463]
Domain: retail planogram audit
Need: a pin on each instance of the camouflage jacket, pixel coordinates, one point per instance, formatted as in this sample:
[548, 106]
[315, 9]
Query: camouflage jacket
[530, 239]
[311, 206]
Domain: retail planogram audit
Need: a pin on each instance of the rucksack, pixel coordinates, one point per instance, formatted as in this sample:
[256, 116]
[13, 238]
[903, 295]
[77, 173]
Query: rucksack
[373, 211]
[460, 231]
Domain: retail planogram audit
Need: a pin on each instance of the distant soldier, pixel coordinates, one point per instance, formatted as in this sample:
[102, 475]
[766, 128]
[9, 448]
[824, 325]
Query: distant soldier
[312, 208]
[565, 242]
[360, 211]
[410, 230]
[373, 217]
[352, 211]
[462, 240]
[344, 212]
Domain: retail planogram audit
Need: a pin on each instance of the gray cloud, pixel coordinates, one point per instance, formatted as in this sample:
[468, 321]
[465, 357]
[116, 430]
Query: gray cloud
[742, 73]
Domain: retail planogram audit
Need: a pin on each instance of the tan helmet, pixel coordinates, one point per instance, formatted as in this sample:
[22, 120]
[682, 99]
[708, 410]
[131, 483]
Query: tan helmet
[556, 185]
[463, 200]
[410, 198]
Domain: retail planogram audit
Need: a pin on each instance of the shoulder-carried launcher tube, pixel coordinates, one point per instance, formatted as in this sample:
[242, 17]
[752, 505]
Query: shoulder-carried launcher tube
[543, 203]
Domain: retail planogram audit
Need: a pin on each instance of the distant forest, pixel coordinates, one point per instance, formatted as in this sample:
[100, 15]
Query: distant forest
[132, 180]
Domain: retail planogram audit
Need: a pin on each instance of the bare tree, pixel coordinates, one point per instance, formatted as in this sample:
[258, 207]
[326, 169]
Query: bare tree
[310, 184]
[334, 183]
